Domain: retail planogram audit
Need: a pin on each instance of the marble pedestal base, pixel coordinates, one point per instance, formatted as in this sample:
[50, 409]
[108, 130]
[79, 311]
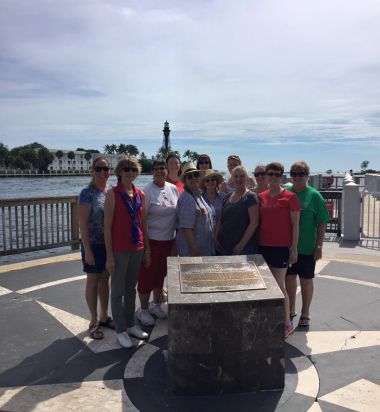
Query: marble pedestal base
[225, 341]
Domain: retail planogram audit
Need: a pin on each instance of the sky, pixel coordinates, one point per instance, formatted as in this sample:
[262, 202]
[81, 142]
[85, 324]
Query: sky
[268, 80]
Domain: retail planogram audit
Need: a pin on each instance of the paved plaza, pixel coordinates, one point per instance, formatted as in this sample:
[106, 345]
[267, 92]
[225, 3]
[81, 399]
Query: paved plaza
[48, 362]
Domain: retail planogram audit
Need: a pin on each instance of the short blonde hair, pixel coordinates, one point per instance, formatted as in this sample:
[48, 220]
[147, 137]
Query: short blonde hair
[238, 169]
[126, 161]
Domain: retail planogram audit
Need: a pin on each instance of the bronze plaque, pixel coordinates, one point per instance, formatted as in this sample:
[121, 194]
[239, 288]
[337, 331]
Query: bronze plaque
[219, 277]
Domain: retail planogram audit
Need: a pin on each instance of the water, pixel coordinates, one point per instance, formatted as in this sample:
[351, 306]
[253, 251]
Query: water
[22, 187]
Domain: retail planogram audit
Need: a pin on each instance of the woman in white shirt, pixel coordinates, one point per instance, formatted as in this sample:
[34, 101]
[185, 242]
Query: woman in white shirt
[160, 211]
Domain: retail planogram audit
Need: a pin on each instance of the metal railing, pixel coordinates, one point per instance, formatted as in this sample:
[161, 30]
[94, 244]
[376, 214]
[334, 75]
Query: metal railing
[333, 201]
[42, 223]
[370, 215]
[38, 223]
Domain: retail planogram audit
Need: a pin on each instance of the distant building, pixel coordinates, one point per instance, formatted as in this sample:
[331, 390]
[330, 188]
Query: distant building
[112, 158]
[64, 163]
[79, 162]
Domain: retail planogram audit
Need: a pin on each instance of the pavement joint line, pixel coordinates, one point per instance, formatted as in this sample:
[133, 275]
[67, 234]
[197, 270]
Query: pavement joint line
[39, 262]
[49, 284]
[349, 280]
[360, 261]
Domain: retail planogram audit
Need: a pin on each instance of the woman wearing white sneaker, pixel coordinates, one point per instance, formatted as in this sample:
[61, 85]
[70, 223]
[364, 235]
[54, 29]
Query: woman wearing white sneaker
[160, 210]
[195, 236]
[127, 245]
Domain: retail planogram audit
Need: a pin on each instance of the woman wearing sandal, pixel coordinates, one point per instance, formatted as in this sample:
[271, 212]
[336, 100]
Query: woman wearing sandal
[314, 215]
[279, 226]
[127, 245]
[91, 217]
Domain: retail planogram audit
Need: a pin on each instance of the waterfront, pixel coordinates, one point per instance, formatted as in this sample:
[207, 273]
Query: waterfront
[22, 187]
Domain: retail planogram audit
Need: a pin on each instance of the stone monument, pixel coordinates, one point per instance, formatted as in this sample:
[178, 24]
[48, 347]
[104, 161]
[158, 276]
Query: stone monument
[226, 326]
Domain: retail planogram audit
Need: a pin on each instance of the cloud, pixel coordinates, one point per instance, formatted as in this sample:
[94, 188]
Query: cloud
[215, 69]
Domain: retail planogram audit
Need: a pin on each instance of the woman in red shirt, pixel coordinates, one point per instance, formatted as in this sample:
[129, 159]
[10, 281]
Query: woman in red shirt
[174, 171]
[279, 227]
[126, 240]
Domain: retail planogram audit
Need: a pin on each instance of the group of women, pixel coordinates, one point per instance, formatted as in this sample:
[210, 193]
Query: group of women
[192, 212]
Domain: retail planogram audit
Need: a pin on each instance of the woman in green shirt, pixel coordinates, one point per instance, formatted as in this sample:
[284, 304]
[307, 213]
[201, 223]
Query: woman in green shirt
[312, 227]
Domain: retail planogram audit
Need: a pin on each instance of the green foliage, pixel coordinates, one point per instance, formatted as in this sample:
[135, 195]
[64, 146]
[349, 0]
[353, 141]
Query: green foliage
[59, 154]
[364, 165]
[191, 156]
[88, 156]
[4, 154]
[30, 156]
[329, 171]
[44, 158]
[146, 165]
[110, 148]
[163, 153]
[71, 155]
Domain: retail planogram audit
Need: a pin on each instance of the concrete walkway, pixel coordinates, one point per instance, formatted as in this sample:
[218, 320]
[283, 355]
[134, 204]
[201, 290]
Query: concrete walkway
[48, 363]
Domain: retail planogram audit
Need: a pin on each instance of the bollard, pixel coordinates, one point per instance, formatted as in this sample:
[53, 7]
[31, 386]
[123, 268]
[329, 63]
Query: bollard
[351, 211]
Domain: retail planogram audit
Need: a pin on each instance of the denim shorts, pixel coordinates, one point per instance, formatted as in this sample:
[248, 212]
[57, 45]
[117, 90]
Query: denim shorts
[100, 256]
[275, 256]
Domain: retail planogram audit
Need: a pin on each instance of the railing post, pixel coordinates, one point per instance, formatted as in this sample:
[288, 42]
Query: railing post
[351, 211]
[74, 226]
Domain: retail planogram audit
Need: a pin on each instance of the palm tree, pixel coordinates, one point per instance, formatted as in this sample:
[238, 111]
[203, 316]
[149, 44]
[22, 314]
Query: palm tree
[131, 150]
[71, 155]
[88, 157]
[107, 149]
[59, 154]
[121, 149]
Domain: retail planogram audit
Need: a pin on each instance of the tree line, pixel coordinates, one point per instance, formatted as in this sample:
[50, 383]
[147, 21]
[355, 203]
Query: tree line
[35, 156]
[31, 156]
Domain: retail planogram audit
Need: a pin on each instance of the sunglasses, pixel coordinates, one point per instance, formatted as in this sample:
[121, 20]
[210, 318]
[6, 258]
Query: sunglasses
[277, 174]
[129, 169]
[204, 162]
[100, 168]
[299, 174]
[257, 174]
[192, 175]
[159, 168]
[212, 179]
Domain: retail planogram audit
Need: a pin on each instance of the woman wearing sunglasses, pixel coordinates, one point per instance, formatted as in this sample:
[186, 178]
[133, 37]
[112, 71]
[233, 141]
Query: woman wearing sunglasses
[204, 162]
[127, 244]
[210, 182]
[160, 209]
[261, 179]
[239, 218]
[195, 223]
[314, 215]
[279, 226]
[228, 185]
[91, 218]
[174, 171]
